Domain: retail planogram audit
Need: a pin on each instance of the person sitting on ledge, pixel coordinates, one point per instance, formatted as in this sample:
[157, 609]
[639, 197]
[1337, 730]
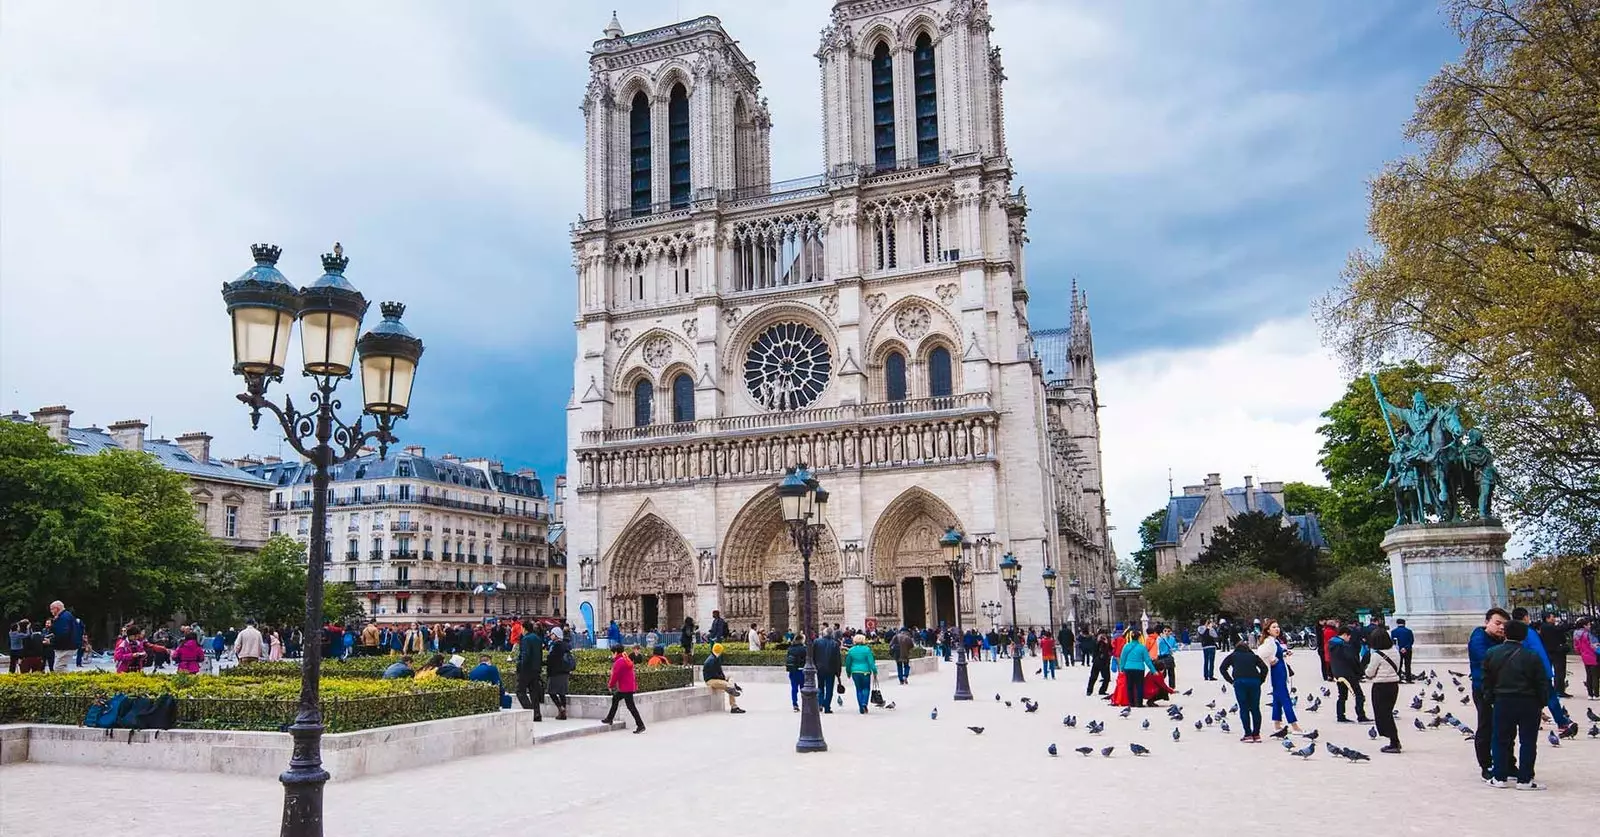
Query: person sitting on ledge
[658, 657]
[714, 678]
[400, 668]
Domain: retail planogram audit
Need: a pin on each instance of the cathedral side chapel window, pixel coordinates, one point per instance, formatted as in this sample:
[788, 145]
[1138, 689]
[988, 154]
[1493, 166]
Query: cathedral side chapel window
[894, 377]
[682, 398]
[939, 383]
[643, 396]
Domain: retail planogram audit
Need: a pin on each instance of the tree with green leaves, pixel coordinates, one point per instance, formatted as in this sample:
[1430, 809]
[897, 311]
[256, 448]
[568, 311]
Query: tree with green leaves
[271, 585]
[1184, 596]
[339, 604]
[1357, 588]
[1485, 255]
[1260, 540]
[1357, 509]
[1149, 535]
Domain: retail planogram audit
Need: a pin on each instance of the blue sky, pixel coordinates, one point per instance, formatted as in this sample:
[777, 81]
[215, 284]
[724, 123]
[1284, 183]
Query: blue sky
[1199, 167]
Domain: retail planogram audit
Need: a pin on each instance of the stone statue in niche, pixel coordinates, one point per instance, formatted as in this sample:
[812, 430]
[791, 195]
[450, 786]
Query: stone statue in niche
[708, 567]
[586, 573]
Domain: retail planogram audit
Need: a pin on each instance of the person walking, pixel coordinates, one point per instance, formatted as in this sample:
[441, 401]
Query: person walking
[717, 681]
[794, 662]
[623, 684]
[1404, 640]
[1064, 646]
[1246, 672]
[753, 638]
[530, 663]
[1047, 654]
[1208, 651]
[1275, 654]
[1517, 683]
[1586, 641]
[557, 670]
[829, 661]
[1100, 664]
[1383, 671]
[1345, 660]
[1136, 663]
[66, 636]
[862, 665]
[903, 643]
[686, 639]
[1167, 656]
[1556, 637]
[247, 646]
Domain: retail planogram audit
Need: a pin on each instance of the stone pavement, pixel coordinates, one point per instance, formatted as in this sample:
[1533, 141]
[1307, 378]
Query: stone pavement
[890, 773]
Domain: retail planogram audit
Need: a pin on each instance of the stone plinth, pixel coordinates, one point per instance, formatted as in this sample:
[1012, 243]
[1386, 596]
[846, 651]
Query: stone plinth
[1445, 576]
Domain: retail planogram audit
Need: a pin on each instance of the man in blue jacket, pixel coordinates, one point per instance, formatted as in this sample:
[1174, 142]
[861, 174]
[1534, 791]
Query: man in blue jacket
[1533, 643]
[1403, 642]
[1490, 634]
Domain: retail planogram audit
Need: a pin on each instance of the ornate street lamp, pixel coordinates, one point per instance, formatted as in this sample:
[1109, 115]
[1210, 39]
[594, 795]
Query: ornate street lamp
[956, 551]
[1010, 573]
[1072, 589]
[805, 506]
[263, 307]
[992, 610]
[1049, 577]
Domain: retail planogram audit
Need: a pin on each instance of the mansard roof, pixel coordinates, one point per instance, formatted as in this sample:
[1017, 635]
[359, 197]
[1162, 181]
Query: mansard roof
[449, 472]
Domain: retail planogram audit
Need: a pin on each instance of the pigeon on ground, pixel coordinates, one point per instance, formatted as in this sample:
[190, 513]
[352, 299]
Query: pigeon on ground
[1145, 724]
[1589, 713]
[1211, 705]
[976, 730]
[1287, 744]
[1555, 740]
[1085, 750]
[889, 705]
[1039, 670]
[1210, 720]
[1325, 692]
[1465, 700]
[1199, 725]
[1355, 755]
[1372, 732]
[1096, 727]
[1225, 727]
[1008, 704]
[934, 715]
[1306, 751]
[1416, 703]
[1453, 673]
[1294, 690]
[1139, 749]
[1282, 733]
[1051, 750]
[1126, 711]
[1176, 733]
[1467, 731]
[1224, 689]
[1435, 723]
[1030, 707]
[996, 697]
[1417, 722]
[1432, 710]
[1313, 734]
[1107, 751]
[1335, 750]
[1188, 692]
[1594, 731]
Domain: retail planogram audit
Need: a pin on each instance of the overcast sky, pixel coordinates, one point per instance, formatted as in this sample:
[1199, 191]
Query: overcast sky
[1199, 167]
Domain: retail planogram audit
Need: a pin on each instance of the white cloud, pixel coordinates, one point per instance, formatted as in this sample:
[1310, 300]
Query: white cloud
[1247, 406]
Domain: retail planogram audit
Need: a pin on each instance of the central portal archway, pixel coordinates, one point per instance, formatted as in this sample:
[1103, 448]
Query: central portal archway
[762, 571]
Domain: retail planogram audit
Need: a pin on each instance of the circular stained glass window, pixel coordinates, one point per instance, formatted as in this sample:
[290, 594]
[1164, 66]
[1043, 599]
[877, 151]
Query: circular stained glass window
[787, 366]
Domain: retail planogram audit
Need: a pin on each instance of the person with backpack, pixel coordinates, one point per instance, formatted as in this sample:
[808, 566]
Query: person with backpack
[66, 636]
[130, 652]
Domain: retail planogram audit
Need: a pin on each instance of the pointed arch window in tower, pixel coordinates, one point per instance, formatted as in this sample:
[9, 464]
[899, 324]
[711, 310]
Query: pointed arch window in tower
[939, 373]
[883, 106]
[894, 377]
[639, 154]
[643, 398]
[682, 398]
[678, 146]
[925, 83]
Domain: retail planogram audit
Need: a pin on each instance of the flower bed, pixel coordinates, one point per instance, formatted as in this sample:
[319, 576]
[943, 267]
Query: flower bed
[594, 669]
[244, 702]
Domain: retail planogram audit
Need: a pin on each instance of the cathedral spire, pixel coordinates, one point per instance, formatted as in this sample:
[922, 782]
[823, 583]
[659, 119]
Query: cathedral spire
[614, 30]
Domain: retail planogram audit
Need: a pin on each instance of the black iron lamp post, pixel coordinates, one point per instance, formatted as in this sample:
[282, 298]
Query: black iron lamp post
[805, 506]
[1072, 590]
[264, 308]
[1049, 577]
[992, 610]
[1094, 608]
[1010, 573]
[956, 559]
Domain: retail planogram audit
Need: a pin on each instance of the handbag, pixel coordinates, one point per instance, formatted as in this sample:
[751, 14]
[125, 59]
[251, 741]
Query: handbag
[840, 686]
[877, 696]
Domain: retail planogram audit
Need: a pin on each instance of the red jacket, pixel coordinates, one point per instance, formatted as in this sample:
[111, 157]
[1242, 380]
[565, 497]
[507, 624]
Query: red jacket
[1328, 633]
[1047, 647]
[622, 678]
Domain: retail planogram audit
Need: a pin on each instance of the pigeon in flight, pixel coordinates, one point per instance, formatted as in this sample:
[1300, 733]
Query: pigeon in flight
[1139, 750]
[1306, 751]
[976, 730]
[1051, 750]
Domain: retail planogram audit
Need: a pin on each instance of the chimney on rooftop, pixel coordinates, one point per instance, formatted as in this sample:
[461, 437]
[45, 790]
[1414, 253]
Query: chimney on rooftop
[1249, 486]
[129, 435]
[54, 421]
[197, 444]
[271, 460]
[415, 450]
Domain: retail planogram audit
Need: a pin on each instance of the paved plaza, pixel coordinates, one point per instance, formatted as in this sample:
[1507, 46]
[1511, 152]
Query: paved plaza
[888, 774]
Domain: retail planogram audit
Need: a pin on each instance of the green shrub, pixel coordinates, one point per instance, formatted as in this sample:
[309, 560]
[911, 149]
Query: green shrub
[594, 670]
[243, 702]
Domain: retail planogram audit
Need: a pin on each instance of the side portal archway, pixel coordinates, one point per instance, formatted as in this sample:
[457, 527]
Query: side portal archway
[762, 572]
[650, 577]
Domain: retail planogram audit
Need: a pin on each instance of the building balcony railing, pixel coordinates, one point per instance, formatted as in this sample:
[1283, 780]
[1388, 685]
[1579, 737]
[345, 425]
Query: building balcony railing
[278, 506]
[427, 555]
[445, 555]
[353, 555]
[300, 504]
[403, 526]
[558, 561]
[376, 554]
[794, 418]
[427, 527]
[354, 527]
[403, 554]
[520, 537]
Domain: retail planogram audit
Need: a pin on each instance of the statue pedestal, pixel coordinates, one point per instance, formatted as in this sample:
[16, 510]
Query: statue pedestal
[1445, 576]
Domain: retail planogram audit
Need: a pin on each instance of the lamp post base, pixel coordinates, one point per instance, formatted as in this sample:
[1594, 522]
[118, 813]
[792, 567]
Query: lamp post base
[811, 740]
[303, 783]
[1016, 668]
[963, 685]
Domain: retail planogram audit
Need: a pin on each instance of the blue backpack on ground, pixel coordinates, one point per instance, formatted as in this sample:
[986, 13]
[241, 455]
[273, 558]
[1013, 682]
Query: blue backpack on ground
[104, 711]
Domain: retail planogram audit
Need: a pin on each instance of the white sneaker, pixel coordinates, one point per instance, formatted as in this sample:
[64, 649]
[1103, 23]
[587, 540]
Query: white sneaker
[1529, 786]
[1497, 783]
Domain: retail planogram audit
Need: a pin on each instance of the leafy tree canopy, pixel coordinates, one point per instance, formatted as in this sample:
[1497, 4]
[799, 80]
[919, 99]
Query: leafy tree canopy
[1485, 262]
[1144, 558]
[1260, 540]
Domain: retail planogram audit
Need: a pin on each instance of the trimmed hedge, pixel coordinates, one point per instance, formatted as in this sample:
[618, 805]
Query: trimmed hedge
[590, 678]
[244, 702]
[743, 656]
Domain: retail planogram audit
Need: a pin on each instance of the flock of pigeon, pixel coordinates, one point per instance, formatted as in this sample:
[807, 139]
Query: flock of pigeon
[1219, 718]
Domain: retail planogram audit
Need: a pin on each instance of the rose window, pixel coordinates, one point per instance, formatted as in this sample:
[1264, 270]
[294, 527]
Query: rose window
[787, 366]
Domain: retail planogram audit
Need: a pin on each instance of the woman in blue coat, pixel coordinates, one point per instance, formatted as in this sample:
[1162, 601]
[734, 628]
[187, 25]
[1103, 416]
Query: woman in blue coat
[1275, 654]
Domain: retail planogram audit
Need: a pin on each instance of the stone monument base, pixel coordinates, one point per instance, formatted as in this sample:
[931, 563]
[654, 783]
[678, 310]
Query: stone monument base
[1445, 576]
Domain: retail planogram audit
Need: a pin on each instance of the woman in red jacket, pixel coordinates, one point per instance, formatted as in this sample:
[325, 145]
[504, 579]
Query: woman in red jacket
[1047, 651]
[623, 684]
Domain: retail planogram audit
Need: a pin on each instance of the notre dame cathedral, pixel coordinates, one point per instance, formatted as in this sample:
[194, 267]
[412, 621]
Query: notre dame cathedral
[870, 320]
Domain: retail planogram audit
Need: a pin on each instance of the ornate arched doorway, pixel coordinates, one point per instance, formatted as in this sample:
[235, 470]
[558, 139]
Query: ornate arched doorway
[910, 583]
[650, 577]
[762, 571]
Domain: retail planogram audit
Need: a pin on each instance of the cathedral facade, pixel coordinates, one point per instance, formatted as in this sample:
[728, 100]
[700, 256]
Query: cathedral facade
[870, 321]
